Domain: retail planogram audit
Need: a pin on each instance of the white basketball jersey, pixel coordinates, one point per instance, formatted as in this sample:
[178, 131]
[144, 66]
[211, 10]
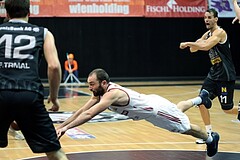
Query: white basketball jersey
[155, 109]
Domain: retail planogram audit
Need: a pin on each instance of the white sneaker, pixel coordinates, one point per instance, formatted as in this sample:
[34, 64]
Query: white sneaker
[16, 134]
[236, 121]
[200, 141]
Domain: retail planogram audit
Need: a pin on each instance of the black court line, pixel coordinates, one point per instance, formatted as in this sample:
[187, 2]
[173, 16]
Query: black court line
[149, 155]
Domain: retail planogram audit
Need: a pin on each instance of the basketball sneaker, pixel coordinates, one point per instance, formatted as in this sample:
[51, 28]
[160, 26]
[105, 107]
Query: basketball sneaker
[206, 101]
[16, 134]
[212, 147]
[200, 141]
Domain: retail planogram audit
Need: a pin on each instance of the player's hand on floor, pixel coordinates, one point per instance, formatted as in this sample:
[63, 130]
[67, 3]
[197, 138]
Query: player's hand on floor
[61, 132]
[56, 104]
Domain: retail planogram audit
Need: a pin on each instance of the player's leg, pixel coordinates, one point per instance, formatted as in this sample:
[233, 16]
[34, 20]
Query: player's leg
[206, 118]
[185, 105]
[37, 126]
[210, 139]
[197, 132]
[4, 132]
[168, 116]
[203, 98]
[6, 116]
[57, 155]
[225, 97]
[211, 86]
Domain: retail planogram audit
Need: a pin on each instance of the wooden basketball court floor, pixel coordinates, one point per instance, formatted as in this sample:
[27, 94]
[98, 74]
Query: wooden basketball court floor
[139, 140]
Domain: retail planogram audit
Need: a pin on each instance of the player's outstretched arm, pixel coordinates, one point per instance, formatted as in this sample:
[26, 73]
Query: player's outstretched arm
[237, 10]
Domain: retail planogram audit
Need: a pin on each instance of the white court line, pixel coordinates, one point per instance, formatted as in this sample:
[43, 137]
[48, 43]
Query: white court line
[126, 144]
[184, 93]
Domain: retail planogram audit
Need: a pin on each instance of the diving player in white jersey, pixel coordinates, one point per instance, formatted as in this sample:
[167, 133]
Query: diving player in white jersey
[153, 108]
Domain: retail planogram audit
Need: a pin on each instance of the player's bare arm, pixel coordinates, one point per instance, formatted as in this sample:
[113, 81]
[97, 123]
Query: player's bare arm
[184, 45]
[219, 35]
[237, 10]
[54, 69]
[91, 102]
[194, 49]
[107, 99]
[200, 40]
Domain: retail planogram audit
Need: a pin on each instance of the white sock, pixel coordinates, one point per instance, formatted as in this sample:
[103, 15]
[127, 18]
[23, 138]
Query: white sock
[209, 129]
[209, 139]
[196, 101]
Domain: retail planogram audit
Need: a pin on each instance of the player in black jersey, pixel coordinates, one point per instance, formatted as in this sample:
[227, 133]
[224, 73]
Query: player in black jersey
[237, 10]
[22, 45]
[220, 81]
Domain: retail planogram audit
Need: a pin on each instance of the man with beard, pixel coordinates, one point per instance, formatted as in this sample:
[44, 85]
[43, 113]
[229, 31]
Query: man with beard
[153, 108]
[220, 81]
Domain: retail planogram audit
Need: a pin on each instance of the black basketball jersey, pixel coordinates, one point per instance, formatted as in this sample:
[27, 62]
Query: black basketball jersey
[222, 65]
[21, 49]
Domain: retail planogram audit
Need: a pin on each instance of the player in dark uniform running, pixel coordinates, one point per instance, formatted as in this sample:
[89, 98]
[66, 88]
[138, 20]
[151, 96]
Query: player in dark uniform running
[22, 45]
[220, 80]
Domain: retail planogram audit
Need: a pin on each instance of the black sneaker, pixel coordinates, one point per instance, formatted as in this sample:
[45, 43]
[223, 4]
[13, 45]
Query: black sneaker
[212, 147]
[206, 101]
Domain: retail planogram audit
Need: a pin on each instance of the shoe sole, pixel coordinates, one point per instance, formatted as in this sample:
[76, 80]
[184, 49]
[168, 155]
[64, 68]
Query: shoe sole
[200, 141]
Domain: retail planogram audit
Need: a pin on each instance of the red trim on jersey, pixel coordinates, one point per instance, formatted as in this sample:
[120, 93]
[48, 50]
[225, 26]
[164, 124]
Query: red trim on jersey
[169, 117]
